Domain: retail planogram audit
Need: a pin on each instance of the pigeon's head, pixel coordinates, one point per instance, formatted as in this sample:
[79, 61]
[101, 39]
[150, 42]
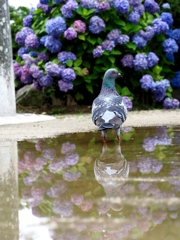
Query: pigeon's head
[112, 73]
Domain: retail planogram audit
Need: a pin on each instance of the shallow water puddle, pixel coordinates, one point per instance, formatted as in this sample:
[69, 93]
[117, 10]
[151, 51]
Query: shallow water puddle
[76, 187]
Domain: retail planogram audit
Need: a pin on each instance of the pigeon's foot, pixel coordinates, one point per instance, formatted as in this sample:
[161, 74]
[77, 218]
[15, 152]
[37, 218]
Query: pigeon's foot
[104, 139]
[118, 138]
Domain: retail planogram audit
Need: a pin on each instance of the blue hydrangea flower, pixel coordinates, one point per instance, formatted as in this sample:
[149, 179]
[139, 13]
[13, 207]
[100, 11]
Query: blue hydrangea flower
[122, 6]
[170, 57]
[65, 86]
[45, 81]
[44, 1]
[33, 54]
[27, 20]
[22, 50]
[58, 1]
[146, 81]
[152, 59]
[139, 41]
[43, 39]
[174, 34]
[28, 60]
[55, 26]
[114, 35]
[140, 62]
[32, 11]
[123, 39]
[160, 26]
[167, 17]
[68, 75]
[148, 34]
[127, 60]
[35, 71]
[21, 35]
[89, 4]
[64, 56]
[70, 33]
[171, 103]
[134, 17]
[53, 44]
[128, 103]
[175, 104]
[166, 6]
[97, 52]
[17, 69]
[108, 45]
[175, 82]
[32, 41]
[151, 6]
[52, 69]
[46, 8]
[170, 46]
[67, 8]
[139, 9]
[96, 25]
[159, 89]
[135, 3]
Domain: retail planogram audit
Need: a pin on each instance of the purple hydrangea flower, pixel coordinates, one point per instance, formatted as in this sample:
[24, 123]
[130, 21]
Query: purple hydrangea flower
[166, 6]
[140, 62]
[127, 60]
[175, 82]
[159, 89]
[68, 75]
[65, 86]
[97, 52]
[55, 26]
[146, 82]
[170, 46]
[43, 56]
[35, 71]
[174, 34]
[17, 69]
[123, 39]
[128, 103]
[64, 56]
[32, 41]
[134, 17]
[52, 69]
[70, 33]
[79, 26]
[21, 35]
[67, 8]
[57, 189]
[139, 41]
[135, 3]
[167, 17]
[108, 45]
[25, 75]
[28, 60]
[89, 4]
[103, 6]
[22, 50]
[68, 148]
[27, 21]
[139, 9]
[114, 35]
[151, 6]
[170, 57]
[37, 86]
[96, 25]
[175, 104]
[122, 6]
[148, 34]
[160, 26]
[52, 44]
[72, 159]
[63, 207]
[45, 8]
[70, 176]
[167, 103]
[45, 81]
[152, 59]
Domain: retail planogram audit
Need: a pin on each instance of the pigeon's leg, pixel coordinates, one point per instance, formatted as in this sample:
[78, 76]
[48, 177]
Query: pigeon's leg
[104, 135]
[117, 130]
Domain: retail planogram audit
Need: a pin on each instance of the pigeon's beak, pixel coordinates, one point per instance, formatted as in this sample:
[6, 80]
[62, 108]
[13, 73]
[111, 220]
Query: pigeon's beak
[119, 75]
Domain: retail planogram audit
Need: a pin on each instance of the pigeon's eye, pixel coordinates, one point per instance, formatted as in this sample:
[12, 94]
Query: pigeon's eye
[114, 72]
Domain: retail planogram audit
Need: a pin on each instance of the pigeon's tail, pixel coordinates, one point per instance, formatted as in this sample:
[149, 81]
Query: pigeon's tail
[104, 126]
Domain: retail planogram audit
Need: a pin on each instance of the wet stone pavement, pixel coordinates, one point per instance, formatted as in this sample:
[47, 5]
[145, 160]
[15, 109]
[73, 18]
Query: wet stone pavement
[74, 187]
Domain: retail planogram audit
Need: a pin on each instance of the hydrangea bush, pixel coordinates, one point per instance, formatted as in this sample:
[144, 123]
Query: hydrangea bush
[67, 45]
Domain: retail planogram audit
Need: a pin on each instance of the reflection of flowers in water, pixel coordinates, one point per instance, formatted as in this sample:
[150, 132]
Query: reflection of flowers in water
[57, 189]
[63, 207]
[160, 138]
[148, 164]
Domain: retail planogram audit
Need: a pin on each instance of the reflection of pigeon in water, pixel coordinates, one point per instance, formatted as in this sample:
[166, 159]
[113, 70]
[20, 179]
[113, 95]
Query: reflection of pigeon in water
[108, 168]
[109, 110]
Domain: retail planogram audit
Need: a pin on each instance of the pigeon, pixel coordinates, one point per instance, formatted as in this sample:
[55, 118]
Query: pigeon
[108, 109]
